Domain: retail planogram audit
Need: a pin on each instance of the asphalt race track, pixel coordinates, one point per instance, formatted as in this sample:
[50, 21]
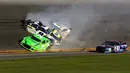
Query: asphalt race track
[39, 55]
[58, 54]
[11, 33]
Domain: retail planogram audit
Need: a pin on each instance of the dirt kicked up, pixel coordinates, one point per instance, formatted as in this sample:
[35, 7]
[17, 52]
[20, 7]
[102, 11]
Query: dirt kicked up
[49, 50]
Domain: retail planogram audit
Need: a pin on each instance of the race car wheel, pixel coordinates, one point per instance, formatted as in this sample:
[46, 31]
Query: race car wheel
[125, 49]
[100, 50]
[97, 50]
[49, 47]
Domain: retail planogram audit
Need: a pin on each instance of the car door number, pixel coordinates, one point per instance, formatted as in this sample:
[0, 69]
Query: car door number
[116, 48]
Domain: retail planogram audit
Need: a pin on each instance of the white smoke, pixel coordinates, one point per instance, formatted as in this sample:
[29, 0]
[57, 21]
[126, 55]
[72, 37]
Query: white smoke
[71, 15]
[51, 13]
[91, 23]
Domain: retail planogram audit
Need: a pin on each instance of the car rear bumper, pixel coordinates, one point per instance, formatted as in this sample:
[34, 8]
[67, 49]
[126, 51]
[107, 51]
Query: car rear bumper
[100, 49]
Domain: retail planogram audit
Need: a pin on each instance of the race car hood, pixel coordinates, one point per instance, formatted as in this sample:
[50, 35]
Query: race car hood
[104, 46]
[30, 42]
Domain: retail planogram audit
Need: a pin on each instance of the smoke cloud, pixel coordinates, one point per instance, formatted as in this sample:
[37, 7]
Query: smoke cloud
[91, 23]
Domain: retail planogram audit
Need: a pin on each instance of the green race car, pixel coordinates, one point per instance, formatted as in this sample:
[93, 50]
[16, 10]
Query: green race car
[36, 43]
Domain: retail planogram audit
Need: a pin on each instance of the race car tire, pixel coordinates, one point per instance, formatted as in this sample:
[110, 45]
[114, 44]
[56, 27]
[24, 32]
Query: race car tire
[125, 50]
[49, 47]
[52, 41]
[97, 50]
[106, 52]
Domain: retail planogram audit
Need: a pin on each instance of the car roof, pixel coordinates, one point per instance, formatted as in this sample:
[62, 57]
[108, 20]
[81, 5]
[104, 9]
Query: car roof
[117, 41]
[41, 37]
[112, 41]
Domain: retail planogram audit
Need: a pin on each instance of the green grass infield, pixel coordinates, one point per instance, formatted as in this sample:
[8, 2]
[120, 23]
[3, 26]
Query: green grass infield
[72, 64]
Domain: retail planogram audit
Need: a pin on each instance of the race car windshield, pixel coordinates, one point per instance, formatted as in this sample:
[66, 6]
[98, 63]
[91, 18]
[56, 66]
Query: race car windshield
[36, 39]
[111, 43]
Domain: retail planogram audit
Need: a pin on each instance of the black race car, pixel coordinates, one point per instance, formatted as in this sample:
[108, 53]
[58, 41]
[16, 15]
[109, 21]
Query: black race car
[112, 47]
